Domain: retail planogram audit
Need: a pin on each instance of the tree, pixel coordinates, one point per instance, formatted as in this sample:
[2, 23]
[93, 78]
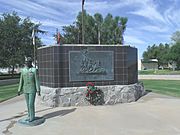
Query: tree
[176, 37]
[108, 35]
[165, 53]
[175, 54]
[98, 30]
[160, 52]
[16, 40]
[72, 34]
[151, 53]
[123, 21]
[98, 22]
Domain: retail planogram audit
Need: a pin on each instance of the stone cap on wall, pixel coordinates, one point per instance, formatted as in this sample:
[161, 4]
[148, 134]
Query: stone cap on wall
[86, 45]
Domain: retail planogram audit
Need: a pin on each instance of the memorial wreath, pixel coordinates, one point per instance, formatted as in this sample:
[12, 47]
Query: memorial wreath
[93, 95]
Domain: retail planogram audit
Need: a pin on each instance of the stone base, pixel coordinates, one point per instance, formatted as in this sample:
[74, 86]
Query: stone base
[75, 96]
[37, 121]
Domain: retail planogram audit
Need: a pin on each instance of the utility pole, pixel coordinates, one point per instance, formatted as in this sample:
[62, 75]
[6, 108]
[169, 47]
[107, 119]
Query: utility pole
[83, 21]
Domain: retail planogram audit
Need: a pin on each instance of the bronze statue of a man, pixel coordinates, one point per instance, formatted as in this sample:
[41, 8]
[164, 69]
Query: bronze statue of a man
[30, 85]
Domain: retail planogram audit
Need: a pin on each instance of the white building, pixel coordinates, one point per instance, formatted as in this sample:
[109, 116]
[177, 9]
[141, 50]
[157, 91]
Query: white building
[151, 64]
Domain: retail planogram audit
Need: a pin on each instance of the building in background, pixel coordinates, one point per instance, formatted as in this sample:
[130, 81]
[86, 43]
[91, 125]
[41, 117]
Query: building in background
[9, 70]
[151, 64]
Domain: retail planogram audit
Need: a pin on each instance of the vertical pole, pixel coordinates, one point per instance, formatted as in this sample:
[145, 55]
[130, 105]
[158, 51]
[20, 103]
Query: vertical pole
[56, 35]
[78, 36]
[99, 36]
[83, 23]
[35, 55]
[121, 40]
[34, 43]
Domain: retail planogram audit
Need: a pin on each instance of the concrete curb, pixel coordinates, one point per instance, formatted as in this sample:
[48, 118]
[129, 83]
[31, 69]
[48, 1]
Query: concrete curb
[159, 77]
[8, 81]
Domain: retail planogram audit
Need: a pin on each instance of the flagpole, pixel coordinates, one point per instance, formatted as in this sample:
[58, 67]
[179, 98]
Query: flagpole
[82, 23]
[34, 43]
[56, 35]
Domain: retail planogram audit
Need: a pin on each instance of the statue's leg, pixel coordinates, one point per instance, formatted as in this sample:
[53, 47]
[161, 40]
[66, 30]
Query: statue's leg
[27, 103]
[31, 106]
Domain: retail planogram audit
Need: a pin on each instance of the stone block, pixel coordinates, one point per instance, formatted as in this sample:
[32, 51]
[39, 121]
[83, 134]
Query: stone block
[75, 96]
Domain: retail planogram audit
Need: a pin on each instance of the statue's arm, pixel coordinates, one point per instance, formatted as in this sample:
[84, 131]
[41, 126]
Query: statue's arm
[37, 82]
[21, 82]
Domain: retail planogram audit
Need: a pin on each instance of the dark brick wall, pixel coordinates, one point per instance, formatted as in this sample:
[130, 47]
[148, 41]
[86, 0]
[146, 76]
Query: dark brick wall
[53, 64]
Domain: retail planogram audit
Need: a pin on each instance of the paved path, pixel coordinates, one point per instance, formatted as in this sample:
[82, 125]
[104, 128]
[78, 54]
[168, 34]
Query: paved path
[153, 114]
[160, 77]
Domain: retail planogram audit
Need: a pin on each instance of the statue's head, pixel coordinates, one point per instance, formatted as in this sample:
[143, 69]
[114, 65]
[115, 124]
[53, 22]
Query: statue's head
[28, 62]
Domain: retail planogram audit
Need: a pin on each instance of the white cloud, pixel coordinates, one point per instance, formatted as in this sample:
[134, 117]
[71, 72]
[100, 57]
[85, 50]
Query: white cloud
[49, 23]
[132, 40]
[155, 29]
[34, 9]
[105, 6]
[48, 40]
[64, 7]
[148, 9]
[172, 17]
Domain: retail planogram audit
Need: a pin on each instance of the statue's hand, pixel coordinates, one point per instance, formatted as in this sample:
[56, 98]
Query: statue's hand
[19, 94]
[39, 93]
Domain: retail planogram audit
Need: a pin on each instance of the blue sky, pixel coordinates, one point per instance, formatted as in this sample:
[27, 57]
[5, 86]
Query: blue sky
[149, 21]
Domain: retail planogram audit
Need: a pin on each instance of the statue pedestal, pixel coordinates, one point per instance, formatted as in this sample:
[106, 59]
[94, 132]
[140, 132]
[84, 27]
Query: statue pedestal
[37, 121]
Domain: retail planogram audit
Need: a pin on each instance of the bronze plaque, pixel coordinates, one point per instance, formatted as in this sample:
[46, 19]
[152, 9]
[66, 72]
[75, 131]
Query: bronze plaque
[91, 65]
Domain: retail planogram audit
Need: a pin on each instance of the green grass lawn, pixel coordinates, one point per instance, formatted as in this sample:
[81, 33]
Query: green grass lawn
[8, 91]
[167, 87]
[159, 72]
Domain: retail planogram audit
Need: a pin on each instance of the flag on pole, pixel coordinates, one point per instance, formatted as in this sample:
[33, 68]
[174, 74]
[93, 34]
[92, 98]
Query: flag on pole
[83, 2]
[33, 36]
[58, 36]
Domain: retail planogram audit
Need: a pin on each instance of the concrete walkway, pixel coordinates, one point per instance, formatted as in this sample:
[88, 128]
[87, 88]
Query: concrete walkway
[153, 114]
[159, 77]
